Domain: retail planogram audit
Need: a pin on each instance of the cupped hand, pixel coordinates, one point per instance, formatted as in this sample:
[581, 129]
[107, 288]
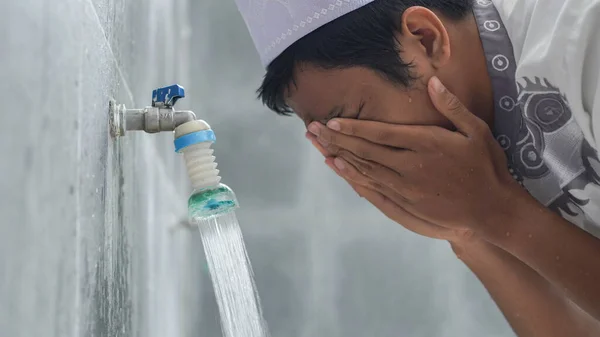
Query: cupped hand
[424, 176]
[384, 199]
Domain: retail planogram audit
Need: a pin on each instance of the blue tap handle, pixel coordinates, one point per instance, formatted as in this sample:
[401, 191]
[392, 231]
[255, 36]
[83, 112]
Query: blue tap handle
[167, 96]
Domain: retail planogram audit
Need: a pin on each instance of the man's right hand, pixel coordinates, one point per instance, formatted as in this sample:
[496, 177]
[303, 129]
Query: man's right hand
[532, 306]
[394, 211]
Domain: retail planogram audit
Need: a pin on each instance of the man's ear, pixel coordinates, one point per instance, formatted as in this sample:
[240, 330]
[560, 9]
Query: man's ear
[424, 28]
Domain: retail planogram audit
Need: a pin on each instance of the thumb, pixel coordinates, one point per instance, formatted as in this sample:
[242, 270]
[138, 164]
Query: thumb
[450, 106]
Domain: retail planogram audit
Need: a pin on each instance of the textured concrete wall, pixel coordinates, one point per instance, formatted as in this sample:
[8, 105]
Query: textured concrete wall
[86, 247]
[85, 244]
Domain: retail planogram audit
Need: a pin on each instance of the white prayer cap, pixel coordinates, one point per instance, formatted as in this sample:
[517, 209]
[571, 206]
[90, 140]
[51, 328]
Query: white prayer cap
[276, 24]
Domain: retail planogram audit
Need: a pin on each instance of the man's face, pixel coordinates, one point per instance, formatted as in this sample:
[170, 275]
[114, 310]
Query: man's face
[319, 95]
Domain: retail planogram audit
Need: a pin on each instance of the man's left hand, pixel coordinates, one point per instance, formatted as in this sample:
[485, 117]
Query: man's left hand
[455, 179]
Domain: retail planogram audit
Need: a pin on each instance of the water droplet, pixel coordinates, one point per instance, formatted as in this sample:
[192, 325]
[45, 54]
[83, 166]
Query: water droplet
[507, 233]
[410, 100]
[530, 236]
[420, 165]
[557, 258]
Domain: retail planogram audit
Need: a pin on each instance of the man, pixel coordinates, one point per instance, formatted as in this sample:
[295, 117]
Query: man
[500, 159]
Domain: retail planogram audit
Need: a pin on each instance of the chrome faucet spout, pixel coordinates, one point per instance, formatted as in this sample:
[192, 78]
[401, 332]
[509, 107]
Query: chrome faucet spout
[156, 118]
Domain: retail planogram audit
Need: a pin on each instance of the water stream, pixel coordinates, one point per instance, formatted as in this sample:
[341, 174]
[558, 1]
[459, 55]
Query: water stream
[232, 276]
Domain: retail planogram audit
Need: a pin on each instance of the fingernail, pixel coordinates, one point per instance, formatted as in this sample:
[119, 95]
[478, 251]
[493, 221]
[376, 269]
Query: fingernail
[437, 84]
[334, 125]
[314, 128]
[339, 163]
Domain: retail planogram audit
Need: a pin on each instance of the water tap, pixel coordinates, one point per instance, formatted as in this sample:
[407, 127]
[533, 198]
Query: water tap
[161, 116]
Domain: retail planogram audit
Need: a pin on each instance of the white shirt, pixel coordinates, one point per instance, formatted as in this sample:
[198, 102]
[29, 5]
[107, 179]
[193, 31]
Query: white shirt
[556, 46]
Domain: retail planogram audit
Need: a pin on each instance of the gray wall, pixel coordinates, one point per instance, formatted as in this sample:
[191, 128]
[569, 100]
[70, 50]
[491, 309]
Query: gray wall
[87, 244]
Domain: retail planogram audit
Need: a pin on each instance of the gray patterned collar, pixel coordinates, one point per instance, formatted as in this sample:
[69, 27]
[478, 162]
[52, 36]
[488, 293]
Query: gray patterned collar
[502, 68]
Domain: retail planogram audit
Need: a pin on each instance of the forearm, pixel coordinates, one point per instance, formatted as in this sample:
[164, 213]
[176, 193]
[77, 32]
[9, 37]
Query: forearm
[532, 306]
[562, 253]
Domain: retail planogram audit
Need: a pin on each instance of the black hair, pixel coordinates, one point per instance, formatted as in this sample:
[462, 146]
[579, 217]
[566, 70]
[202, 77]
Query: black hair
[364, 37]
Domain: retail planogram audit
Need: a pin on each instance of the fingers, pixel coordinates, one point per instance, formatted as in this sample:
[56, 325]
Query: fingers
[451, 107]
[378, 176]
[384, 200]
[364, 172]
[409, 137]
[316, 144]
[334, 142]
[358, 171]
[396, 213]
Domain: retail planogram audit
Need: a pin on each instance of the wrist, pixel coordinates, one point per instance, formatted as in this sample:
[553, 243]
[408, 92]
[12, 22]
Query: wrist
[508, 209]
[468, 249]
[477, 253]
[513, 217]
